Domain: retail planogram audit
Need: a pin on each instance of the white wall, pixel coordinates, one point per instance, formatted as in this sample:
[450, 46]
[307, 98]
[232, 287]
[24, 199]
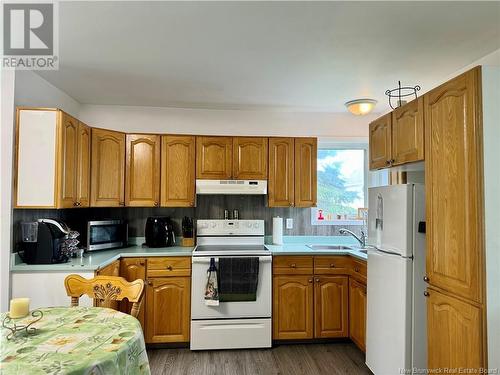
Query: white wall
[7, 81]
[226, 122]
[491, 135]
[33, 91]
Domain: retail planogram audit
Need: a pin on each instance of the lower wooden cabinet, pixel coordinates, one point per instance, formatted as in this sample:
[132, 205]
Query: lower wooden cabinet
[293, 307]
[132, 269]
[331, 306]
[168, 309]
[357, 313]
[112, 269]
[454, 340]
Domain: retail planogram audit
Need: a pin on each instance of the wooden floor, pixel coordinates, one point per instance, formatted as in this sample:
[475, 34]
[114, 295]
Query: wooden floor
[309, 359]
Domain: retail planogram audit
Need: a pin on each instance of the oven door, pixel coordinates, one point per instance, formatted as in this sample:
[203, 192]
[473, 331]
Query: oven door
[260, 308]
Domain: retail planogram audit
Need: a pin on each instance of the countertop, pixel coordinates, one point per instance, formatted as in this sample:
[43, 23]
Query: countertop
[293, 245]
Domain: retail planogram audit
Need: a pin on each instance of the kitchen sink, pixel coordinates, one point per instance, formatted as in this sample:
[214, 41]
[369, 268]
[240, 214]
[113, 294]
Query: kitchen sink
[329, 247]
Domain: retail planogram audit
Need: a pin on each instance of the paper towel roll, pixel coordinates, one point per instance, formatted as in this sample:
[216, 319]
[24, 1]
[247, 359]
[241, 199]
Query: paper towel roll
[278, 230]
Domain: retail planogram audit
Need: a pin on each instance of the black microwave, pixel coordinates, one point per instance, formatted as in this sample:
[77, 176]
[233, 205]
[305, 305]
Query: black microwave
[106, 234]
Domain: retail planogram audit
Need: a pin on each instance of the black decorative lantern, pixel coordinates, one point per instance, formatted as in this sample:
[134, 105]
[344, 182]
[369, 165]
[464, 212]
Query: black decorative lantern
[401, 92]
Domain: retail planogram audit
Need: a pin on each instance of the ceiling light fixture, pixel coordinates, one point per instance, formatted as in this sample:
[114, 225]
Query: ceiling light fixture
[360, 107]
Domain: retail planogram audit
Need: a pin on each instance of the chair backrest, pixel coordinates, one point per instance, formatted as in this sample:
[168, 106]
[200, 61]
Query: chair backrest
[105, 289]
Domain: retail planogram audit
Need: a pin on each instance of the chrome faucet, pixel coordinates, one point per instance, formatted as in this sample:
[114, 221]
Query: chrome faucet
[361, 240]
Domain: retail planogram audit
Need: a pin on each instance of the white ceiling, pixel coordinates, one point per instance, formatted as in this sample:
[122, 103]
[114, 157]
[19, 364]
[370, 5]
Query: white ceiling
[291, 55]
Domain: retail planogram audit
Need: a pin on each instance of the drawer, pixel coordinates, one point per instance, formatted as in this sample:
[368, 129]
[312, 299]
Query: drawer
[332, 265]
[171, 266]
[292, 265]
[358, 270]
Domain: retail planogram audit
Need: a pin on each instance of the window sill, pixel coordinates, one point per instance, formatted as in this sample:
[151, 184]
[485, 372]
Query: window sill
[359, 222]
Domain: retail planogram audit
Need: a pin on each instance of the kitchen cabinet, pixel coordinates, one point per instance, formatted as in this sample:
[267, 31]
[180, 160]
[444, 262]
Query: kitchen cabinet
[168, 311]
[83, 166]
[112, 269]
[454, 333]
[293, 307]
[281, 183]
[132, 269]
[107, 168]
[453, 180]
[306, 150]
[331, 307]
[178, 155]
[408, 133]
[51, 160]
[142, 177]
[357, 313]
[214, 158]
[250, 158]
[380, 139]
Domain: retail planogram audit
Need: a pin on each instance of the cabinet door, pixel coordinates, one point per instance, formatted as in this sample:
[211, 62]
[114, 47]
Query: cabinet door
[107, 168]
[213, 158]
[142, 177]
[380, 142]
[168, 314]
[68, 160]
[281, 184]
[453, 181]
[112, 269]
[178, 171]
[132, 269]
[453, 333]
[357, 313]
[331, 306]
[83, 166]
[306, 154]
[408, 132]
[293, 307]
[250, 158]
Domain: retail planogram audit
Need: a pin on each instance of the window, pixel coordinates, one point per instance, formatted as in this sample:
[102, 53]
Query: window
[341, 187]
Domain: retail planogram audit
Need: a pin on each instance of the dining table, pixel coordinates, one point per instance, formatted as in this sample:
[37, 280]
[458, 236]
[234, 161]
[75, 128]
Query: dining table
[74, 340]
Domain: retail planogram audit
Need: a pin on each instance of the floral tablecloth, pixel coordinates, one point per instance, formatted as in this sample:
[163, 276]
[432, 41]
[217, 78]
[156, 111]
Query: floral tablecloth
[76, 340]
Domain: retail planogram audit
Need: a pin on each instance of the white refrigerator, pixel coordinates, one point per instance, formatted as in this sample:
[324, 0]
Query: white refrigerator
[396, 340]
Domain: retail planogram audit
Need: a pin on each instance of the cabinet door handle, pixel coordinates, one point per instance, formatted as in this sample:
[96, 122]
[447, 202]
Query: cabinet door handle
[293, 265]
[387, 162]
[356, 269]
[169, 268]
[74, 204]
[317, 280]
[332, 265]
[156, 204]
[426, 279]
[121, 203]
[150, 282]
[141, 263]
[310, 280]
[426, 293]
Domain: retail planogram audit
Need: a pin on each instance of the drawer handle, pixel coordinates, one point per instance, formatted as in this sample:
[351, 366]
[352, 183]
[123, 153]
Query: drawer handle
[293, 265]
[332, 265]
[141, 263]
[169, 268]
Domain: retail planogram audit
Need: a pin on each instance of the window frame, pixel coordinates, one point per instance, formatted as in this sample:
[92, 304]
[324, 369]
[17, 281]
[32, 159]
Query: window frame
[337, 145]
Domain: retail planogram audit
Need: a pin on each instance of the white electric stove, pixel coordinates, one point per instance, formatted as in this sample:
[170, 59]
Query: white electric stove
[231, 325]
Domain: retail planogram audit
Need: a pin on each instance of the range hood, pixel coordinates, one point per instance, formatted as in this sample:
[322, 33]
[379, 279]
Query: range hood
[248, 187]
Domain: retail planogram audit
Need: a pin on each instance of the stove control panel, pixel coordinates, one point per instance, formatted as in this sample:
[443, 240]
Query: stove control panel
[230, 227]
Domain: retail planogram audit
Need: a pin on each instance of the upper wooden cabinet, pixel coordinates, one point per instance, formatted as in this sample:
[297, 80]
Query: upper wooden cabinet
[380, 142]
[51, 160]
[142, 177]
[293, 307]
[214, 158]
[132, 269]
[331, 306]
[306, 154]
[357, 313]
[454, 329]
[178, 155]
[108, 168]
[83, 166]
[408, 133]
[250, 158]
[454, 194]
[281, 183]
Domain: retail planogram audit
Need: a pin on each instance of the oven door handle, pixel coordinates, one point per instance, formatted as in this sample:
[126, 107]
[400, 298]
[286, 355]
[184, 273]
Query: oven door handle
[262, 259]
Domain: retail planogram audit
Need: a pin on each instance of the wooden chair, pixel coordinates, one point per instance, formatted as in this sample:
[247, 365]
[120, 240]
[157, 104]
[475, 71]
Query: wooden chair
[106, 290]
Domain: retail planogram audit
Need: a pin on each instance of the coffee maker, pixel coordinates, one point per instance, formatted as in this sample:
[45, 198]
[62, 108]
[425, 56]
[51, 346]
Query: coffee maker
[159, 232]
[42, 241]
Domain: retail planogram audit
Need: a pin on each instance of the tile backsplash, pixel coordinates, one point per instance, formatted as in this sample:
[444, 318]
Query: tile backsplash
[208, 207]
